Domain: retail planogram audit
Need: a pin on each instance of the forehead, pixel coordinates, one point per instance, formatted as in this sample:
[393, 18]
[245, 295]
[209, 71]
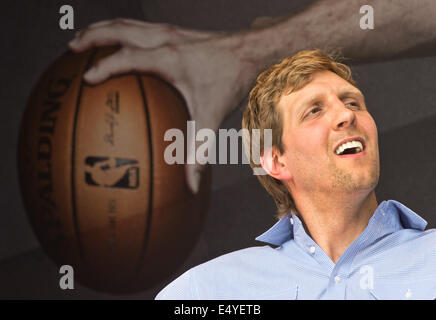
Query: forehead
[321, 84]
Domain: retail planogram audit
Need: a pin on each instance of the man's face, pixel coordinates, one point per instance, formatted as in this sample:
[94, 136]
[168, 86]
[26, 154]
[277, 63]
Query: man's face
[316, 120]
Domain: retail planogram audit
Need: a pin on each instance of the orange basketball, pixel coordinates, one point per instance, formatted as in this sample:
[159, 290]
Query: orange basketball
[98, 193]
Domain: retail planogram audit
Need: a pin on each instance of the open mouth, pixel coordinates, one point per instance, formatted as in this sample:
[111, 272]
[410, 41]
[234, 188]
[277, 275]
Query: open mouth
[350, 147]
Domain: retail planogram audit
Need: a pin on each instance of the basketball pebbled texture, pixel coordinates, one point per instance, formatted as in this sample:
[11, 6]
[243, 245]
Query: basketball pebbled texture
[96, 188]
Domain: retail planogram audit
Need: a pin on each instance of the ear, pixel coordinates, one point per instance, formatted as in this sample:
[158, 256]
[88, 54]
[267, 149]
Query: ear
[273, 163]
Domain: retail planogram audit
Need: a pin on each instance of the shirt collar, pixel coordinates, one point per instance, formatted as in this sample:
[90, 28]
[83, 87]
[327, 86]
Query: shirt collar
[390, 216]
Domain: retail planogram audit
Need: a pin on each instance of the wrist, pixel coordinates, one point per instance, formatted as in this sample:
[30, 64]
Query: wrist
[259, 48]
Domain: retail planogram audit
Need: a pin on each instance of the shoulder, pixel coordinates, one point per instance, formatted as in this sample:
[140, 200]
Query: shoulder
[405, 265]
[425, 240]
[407, 249]
[412, 241]
[225, 277]
[179, 289]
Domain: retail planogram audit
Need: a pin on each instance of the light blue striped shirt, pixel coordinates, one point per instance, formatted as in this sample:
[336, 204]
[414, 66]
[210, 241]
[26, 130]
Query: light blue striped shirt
[393, 258]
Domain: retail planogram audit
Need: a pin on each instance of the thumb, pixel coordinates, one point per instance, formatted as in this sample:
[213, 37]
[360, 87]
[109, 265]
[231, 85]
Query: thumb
[197, 161]
[193, 176]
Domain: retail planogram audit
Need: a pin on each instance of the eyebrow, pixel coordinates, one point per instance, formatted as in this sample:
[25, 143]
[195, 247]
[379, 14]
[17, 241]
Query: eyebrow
[350, 92]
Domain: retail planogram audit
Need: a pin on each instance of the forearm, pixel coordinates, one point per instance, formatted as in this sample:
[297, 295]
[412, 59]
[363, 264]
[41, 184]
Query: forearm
[401, 28]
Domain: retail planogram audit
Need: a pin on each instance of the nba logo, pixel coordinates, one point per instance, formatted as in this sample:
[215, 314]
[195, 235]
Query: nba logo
[111, 172]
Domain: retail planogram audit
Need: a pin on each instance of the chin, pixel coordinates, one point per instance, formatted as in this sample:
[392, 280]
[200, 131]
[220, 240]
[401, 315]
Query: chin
[369, 182]
[352, 183]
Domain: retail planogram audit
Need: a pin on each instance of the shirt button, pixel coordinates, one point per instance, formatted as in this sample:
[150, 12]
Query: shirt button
[292, 220]
[337, 279]
[408, 293]
[312, 249]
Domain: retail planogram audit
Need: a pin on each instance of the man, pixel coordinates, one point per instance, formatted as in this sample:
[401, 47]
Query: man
[202, 64]
[334, 240]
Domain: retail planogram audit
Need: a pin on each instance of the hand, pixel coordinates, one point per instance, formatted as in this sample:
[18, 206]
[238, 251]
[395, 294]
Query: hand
[204, 66]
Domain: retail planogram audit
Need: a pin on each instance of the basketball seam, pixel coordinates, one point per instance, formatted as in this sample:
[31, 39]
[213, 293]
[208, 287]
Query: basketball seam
[150, 199]
[73, 153]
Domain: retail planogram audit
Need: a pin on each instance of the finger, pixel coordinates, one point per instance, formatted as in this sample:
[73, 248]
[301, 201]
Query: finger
[116, 63]
[106, 34]
[134, 22]
[100, 24]
[193, 176]
[120, 34]
[120, 21]
[131, 59]
[196, 162]
[94, 37]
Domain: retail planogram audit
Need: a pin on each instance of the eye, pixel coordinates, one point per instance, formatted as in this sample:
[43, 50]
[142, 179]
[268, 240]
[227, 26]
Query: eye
[314, 110]
[353, 104]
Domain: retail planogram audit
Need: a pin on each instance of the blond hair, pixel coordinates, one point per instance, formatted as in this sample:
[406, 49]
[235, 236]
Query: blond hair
[291, 74]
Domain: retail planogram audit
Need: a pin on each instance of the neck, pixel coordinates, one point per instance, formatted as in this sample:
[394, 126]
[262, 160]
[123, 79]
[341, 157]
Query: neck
[334, 222]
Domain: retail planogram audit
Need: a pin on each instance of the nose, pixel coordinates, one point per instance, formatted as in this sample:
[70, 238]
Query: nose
[343, 116]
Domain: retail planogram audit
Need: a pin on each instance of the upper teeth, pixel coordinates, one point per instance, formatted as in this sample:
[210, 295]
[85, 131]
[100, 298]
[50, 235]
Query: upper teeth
[347, 145]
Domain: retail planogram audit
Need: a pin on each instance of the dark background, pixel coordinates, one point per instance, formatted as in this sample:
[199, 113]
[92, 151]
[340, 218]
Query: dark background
[400, 93]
